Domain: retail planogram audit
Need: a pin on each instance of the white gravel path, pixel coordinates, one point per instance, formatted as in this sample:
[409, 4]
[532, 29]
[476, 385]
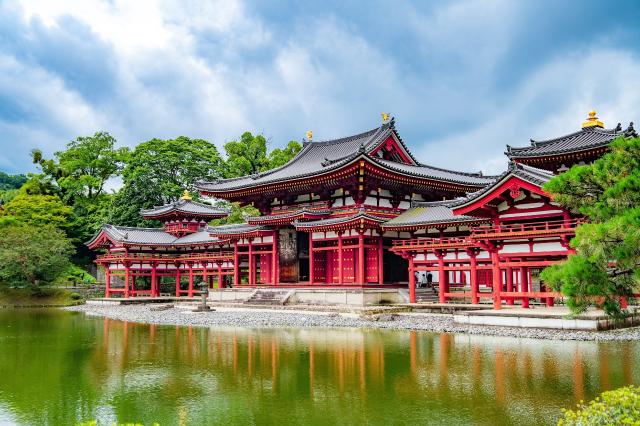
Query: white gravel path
[265, 318]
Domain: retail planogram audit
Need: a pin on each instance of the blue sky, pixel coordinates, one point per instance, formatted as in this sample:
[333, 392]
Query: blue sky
[463, 78]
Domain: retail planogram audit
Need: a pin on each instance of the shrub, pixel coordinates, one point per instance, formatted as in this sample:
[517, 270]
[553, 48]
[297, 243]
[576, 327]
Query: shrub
[75, 296]
[620, 406]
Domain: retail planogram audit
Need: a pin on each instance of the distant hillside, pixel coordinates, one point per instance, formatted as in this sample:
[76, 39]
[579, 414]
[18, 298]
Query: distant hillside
[11, 181]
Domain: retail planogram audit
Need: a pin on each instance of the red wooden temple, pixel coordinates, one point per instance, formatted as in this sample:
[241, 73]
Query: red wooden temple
[362, 211]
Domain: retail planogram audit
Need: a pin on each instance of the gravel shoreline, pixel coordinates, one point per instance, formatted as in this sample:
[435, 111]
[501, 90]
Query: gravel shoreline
[264, 318]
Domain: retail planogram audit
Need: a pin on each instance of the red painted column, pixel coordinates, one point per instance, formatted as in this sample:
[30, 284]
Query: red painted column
[312, 263]
[340, 274]
[380, 260]
[361, 270]
[275, 273]
[220, 276]
[177, 280]
[442, 280]
[107, 281]
[412, 280]
[473, 279]
[126, 280]
[251, 279]
[509, 283]
[190, 291]
[524, 271]
[497, 279]
[236, 265]
[154, 280]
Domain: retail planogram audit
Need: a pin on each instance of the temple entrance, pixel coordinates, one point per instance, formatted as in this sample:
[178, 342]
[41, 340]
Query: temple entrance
[288, 255]
[303, 256]
[395, 268]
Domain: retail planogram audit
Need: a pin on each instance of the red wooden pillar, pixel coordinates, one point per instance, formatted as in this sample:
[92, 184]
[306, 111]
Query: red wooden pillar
[177, 280]
[497, 279]
[509, 283]
[473, 278]
[524, 271]
[107, 280]
[312, 264]
[190, 291]
[236, 265]
[154, 280]
[251, 278]
[362, 279]
[412, 280]
[275, 273]
[442, 280]
[220, 284]
[126, 279]
[380, 260]
[340, 273]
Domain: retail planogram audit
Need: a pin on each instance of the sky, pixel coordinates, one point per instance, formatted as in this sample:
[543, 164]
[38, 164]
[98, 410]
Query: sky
[462, 78]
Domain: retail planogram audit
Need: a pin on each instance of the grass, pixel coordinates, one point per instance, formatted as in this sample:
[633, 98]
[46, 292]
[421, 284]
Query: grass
[47, 297]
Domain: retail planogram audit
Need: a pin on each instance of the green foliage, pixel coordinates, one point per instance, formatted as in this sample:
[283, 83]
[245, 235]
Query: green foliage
[617, 407]
[248, 155]
[8, 182]
[158, 171]
[82, 170]
[75, 296]
[607, 264]
[39, 210]
[33, 255]
[237, 215]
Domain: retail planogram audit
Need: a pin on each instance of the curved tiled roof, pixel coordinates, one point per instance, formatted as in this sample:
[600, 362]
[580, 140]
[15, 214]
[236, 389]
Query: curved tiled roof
[339, 220]
[232, 229]
[582, 140]
[289, 215]
[529, 174]
[429, 213]
[188, 207]
[152, 236]
[323, 156]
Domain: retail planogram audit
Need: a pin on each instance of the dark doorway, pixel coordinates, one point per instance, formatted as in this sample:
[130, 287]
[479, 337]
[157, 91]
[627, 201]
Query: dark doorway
[303, 256]
[396, 268]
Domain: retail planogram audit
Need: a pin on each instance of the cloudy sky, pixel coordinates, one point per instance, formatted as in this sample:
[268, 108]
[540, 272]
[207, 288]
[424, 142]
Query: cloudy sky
[462, 78]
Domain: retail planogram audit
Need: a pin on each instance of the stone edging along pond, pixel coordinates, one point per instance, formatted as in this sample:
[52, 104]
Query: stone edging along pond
[265, 318]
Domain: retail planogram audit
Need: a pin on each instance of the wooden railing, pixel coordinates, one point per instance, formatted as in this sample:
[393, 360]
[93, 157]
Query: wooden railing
[426, 242]
[161, 256]
[552, 226]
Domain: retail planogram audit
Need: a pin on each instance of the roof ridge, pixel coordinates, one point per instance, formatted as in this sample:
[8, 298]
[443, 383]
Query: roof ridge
[592, 129]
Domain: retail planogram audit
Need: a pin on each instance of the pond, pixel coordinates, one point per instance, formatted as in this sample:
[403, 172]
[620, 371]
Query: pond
[60, 368]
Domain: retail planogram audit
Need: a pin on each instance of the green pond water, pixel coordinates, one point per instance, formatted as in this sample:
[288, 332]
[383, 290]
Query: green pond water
[60, 368]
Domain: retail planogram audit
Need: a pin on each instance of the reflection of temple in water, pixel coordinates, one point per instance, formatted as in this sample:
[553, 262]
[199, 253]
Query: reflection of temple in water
[358, 368]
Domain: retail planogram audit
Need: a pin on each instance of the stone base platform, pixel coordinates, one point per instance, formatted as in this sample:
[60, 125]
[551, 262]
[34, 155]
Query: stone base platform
[139, 300]
[545, 317]
[334, 296]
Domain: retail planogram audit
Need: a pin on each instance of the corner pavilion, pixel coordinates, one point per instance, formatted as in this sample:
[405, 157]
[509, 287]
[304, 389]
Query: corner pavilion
[363, 212]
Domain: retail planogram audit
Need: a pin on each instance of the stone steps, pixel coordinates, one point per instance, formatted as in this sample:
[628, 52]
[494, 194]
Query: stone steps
[267, 297]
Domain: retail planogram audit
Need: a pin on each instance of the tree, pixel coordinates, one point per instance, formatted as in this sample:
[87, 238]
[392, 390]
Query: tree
[32, 255]
[606, 266]
[158, 171]
[82, 170]
[39, 210]
[8, 182]
[248, 155]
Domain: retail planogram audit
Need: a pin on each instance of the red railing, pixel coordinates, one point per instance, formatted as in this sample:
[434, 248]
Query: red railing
[425, 242]
[160, 256]
[527, 228]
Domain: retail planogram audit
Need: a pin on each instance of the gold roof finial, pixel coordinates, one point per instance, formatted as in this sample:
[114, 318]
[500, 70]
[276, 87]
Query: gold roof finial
[309, 134]
[592, 121]
[186, 195]
[385, 116]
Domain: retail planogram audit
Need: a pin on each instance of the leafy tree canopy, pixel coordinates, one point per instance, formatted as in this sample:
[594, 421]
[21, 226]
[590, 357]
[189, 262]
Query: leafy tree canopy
[8, 182]
[32, 255]
[158, 171]
[81, 170]
[248, 155]
[607, 264]
[39, 210]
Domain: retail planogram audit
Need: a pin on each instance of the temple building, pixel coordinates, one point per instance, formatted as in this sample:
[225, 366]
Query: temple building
[363, 212]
